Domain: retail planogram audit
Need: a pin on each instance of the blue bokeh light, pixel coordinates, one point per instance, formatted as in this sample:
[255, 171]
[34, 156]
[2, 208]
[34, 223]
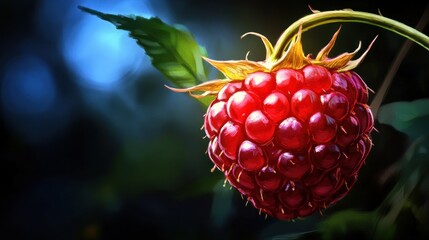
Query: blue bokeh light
[101, 56]
[28, 86]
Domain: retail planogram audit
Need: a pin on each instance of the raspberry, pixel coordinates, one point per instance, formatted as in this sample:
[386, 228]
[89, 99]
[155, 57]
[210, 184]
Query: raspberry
[320, 136]
[289, 136]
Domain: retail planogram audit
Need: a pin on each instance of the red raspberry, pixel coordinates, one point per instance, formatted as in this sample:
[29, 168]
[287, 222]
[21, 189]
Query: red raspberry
[289, 136]
[321, 141]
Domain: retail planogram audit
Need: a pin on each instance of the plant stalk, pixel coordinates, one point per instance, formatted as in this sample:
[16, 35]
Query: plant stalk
[335, 16]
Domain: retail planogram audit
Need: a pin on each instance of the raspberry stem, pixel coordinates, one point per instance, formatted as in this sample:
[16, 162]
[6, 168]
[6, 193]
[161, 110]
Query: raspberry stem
[320, 18]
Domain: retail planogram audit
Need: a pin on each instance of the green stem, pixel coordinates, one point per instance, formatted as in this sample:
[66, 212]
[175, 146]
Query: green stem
[321, 18]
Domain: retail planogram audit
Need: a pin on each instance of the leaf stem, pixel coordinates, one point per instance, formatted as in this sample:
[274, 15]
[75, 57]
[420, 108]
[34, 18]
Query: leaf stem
[382, 91]
[321, 18]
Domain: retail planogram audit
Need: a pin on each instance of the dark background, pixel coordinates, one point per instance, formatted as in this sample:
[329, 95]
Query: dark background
[93, 146]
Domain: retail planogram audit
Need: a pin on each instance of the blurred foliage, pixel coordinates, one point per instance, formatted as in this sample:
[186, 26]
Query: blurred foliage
[173, 49]
[381, 223]
[410, 118]
[90, 182]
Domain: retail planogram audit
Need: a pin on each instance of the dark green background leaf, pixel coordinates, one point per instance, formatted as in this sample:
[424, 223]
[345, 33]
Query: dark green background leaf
[353, 223]
[411, 118]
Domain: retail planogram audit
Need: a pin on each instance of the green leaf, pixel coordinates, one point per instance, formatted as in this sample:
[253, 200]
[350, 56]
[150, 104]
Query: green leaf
[351, 223]
[410, 118]
[172, 49]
